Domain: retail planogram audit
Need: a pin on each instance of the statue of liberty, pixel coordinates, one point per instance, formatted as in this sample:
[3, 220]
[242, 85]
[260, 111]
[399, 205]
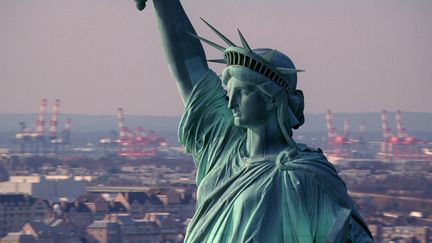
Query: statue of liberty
[255, 184]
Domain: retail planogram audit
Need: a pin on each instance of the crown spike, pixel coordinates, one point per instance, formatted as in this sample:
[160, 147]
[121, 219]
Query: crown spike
[243, 41]
[269, 55]
[220, 48]
[226, 40]
[289, 70]
[223, 61]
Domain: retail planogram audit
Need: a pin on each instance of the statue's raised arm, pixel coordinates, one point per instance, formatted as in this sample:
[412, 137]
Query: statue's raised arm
[184, 53]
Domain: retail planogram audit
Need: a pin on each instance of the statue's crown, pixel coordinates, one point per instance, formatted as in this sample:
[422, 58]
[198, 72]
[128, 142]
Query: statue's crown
[270, 63]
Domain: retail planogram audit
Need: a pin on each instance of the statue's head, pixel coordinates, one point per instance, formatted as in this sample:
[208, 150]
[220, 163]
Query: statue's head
[269, 75]
[262, 94]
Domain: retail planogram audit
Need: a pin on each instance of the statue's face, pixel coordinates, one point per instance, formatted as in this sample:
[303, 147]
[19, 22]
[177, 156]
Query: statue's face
[247, 104]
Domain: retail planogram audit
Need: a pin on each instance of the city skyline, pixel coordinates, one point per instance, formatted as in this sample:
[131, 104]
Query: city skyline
[99, 55]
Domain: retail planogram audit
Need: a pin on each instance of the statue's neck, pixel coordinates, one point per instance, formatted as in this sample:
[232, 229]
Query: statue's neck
[265, 140]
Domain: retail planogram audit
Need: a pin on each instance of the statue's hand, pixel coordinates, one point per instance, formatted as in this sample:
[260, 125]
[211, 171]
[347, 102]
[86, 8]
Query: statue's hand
[140, 4]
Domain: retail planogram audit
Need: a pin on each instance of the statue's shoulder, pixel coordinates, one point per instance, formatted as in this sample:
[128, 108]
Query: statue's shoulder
[304, 148]
[311, 154]
[307, 159]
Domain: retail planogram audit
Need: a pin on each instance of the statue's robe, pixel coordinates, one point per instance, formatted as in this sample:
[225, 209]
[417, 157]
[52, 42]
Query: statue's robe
[290, 197]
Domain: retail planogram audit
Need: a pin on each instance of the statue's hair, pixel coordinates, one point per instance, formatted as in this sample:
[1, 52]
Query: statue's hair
[294, 99]
[296, 103]
[243, 74]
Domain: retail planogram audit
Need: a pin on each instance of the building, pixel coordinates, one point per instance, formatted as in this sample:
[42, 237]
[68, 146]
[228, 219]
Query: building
[4, 174]
[18, 237]
[116, 228]
[180, 203]
[103, 232]
[53, 233]
[421, 234]
[17, 209]
[94, 202]
[133, 230]
[38, 231]
[52, 188]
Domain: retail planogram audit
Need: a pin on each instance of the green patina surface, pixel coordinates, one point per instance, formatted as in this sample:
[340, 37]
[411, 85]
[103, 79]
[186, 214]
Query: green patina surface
[255, 184]
[273, 199]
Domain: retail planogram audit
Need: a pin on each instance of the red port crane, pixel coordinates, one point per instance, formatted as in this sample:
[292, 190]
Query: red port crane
[339, 145]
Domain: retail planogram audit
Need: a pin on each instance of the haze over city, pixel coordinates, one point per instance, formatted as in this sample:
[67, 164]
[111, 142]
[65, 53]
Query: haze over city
[359, 56]
[89, 118]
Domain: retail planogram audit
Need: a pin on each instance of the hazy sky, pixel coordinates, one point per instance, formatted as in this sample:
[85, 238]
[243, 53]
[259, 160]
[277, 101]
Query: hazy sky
[97, 55]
